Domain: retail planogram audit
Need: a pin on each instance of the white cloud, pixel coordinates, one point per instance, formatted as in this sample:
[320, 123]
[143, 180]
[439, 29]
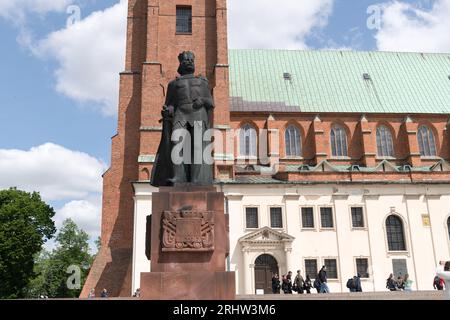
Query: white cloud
[56, 172]
[85, 213]
[406, 27]
[16, 10]
[90, 55]
[285, 24]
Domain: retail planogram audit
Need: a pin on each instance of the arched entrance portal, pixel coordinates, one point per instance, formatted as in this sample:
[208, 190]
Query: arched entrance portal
[265, 267]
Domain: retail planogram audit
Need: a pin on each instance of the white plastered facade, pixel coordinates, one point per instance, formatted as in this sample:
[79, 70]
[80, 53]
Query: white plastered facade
[424, 210]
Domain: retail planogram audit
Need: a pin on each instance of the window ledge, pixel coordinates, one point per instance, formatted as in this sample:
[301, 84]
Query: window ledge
[308, 229]
[340, 158]
[292, 158]
[328, 229]
[385, 158]
[183, 33]
[359, 229]
[398, 253]
[430, 158]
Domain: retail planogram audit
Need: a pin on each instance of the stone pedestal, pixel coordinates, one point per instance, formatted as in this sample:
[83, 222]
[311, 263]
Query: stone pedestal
[189, 246]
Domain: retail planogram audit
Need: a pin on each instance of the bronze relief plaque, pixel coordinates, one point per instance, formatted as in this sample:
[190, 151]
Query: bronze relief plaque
[191, 231]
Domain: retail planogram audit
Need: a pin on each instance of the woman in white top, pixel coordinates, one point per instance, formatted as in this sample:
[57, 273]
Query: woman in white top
[443, 272]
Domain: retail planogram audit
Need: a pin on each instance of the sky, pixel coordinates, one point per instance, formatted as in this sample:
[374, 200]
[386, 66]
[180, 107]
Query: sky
[60, 62]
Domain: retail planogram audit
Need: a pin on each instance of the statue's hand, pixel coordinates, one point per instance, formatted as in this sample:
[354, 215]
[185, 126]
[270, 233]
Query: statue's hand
[167, 111]
[198, 103]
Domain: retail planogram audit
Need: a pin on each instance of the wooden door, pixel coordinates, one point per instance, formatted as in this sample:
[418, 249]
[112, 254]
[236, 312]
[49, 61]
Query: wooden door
[265, 267]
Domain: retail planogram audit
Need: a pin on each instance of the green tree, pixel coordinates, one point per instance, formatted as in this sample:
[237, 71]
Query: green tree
[59, 272]
[25, 225]
[98, 244]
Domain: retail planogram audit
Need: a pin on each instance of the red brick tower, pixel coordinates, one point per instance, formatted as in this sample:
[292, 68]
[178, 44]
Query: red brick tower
[153, 45]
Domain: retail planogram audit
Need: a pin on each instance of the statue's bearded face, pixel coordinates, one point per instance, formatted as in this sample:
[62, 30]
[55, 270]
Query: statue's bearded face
[187, 63]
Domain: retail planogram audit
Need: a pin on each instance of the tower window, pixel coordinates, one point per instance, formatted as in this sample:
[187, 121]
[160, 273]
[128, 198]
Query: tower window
[184, 19]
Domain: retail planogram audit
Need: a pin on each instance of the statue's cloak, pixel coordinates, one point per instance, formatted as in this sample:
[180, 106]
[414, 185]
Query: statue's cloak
[163, 166]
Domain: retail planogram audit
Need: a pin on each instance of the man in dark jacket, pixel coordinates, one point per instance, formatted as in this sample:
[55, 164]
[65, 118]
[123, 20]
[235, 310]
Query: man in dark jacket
[323, 280]
[275, 284]
[316, 283]
[299, 282]
[289, 283]
[391, 284]
[357, 281]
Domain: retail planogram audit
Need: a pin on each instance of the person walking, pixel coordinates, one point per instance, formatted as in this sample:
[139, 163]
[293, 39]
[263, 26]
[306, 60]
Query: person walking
[284, 284]
[275, 284]
[351, 284]
[323, 280]
[289, 282]
[317, 283]
[400, 283]
[443, 272]
[299, 282]
[407, 283]
[91, 294]
[308, 284]
[391, 284]
[438, 283]
[104, 293]
[358, 287]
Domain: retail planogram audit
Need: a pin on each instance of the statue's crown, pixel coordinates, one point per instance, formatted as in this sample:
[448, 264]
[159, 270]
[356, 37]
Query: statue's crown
[185, 53]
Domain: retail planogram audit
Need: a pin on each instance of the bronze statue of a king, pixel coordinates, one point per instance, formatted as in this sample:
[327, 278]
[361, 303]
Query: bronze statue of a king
[187, 114]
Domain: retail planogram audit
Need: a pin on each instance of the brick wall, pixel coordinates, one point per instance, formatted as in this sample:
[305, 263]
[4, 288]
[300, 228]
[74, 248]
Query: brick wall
[361, 137]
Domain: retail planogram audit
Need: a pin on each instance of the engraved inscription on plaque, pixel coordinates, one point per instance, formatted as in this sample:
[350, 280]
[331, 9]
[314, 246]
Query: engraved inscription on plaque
[188, 231]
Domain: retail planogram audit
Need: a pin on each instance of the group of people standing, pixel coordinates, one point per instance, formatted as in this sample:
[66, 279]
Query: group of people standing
[300, 285]
[399, 284]
[441, 280]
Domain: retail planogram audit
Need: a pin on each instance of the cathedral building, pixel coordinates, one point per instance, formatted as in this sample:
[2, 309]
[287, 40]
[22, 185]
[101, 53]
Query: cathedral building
[337, 159]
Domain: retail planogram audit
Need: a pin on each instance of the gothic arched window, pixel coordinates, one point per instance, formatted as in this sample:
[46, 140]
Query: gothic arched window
[293, 142]
[247, 141]
[338, 139]
[395, 233]
[385, 145]
[427, 144]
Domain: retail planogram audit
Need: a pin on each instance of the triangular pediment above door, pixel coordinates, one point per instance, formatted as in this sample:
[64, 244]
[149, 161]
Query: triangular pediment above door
[266, 235]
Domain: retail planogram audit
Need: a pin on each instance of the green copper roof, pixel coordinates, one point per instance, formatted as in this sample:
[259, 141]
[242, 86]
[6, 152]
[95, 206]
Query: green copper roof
[333, 81]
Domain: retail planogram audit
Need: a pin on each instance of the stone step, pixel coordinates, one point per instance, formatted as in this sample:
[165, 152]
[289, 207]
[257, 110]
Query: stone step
[396, 295]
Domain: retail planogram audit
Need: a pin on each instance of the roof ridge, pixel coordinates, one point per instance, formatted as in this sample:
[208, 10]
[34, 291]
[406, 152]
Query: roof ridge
[341, 51]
